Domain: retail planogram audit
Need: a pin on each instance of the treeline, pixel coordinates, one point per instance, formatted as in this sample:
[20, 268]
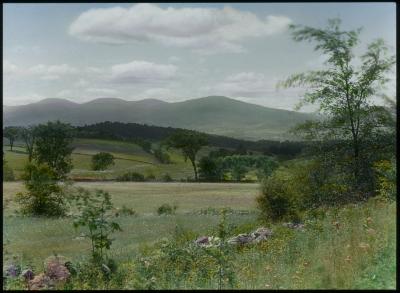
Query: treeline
[139, 133]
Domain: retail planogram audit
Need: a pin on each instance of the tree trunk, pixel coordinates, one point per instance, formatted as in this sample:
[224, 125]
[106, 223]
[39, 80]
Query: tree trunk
[194, 168]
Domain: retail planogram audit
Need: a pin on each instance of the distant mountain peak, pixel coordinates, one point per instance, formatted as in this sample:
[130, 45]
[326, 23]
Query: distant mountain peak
[55, 101]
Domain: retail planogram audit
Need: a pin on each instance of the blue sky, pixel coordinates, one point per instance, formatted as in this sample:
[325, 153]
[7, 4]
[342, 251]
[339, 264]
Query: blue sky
[171, 52]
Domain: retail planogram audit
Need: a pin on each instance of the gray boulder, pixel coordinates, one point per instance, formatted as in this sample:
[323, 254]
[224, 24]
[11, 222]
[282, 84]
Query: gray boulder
[27, 274]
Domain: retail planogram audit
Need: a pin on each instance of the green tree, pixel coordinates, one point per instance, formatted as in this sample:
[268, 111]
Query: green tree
[29, 136]
[210, 169]
[44, 197]
[102, 161]
[190, 142]
[343, 91]
[53, 147]
[12, 133]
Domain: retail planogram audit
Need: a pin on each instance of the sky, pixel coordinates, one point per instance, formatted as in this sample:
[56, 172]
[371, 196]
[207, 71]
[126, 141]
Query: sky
[172, 52]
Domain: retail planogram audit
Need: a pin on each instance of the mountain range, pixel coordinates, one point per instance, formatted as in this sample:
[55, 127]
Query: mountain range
[213, 114]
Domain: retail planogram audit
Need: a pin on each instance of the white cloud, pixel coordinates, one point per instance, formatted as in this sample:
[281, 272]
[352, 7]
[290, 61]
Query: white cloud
[174, 59]
[61, 69]
[9, 68]
[81, 83]
[22, 99]
[204, 30]
[245, 84]
[257, 88]
[101, 91]
[142, 72]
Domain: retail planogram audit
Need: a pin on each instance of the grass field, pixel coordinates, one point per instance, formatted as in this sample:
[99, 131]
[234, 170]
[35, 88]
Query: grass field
[36, 238]
[129, 157]
[358, 253]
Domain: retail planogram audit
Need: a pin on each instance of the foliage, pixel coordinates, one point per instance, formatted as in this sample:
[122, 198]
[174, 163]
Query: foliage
[343, 92]
[8, 174]
[239, 165]
[166, 178]
[131, 176]
[12, 133]
[190, 142]
[44, 196]
[210, 169]
[166, 209]
[128, 211]
[136, 132]
[387, 183]
[94, 214]
[150, 177]
[102, 161]
[162, 156]
[144, 144]
[53, 147]
[28, 134]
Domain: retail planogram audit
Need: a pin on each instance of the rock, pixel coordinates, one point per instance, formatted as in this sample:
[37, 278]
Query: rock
[41, 281]
[296, 226]
[241, 239]
[261, 234]
[28, 274]
[105, 269]
[203, 240]
[56, 269]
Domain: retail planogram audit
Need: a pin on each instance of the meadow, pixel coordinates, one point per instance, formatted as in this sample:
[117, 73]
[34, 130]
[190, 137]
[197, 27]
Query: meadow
[128, 157]
[348, 247]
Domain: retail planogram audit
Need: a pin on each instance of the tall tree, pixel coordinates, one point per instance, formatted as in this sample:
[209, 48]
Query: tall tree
[53, 147]
[344, 90]
[190, 142]
[28, 135]
[12, 133]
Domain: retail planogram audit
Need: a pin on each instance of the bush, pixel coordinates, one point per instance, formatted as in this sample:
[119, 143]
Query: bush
[386, 178]
[166, 209]
[166, 178]
[102, 161]
[128, 211]
[94, 214]
[162, 156]
[44, 197]
[8, 174]
[131, 176]
[150, 177]
[276, 201]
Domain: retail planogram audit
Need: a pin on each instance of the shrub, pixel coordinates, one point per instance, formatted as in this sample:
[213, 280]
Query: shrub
[166, 209]
[276, 201]
[44, 196]
[150, 177]
[166, 178]
[94, 213]
[131, 176]
[8, 174]
[386, 178]
[211, 169]
[127, 211]
[162, 156]
[102, 161]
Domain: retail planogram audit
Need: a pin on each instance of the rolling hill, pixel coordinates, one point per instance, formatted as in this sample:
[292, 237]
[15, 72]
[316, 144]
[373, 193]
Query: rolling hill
[213, 114]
